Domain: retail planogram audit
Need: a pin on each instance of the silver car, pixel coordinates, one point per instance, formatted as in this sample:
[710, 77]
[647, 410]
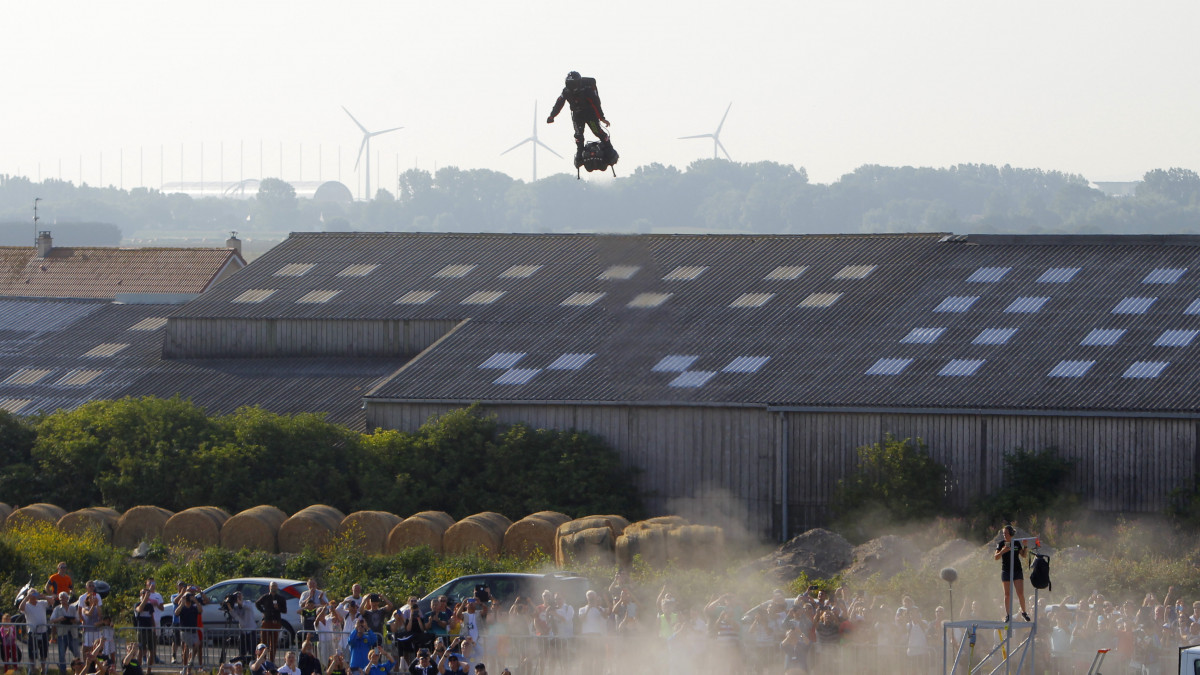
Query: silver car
[217, 622]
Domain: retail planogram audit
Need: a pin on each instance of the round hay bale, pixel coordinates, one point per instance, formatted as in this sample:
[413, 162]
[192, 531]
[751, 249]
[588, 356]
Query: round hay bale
[426, 528]
[478, 533]
[34, 513]
[593, 545]
[659, 521]
[313, 526]
[533, 533]
[199, 526]
[5, 511]
[579, 524]
[648, 541]
[372, 528]
[99, 518]
[255, 528]
[700, 546]
[141, 523]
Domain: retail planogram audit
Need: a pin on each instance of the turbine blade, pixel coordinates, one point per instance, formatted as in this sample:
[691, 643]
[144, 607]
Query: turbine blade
[548, 148]
[723, 118]
[700, 136]
[722, 147]
[366, 139]
[519, 145]
[360, 126]
[376, 133]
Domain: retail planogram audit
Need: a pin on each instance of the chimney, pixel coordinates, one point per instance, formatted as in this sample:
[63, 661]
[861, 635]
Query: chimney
[44, 244]
[234, 243]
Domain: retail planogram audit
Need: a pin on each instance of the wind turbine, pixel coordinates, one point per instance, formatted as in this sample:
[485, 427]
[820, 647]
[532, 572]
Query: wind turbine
[366, 147]
[533, 139]
[716, 136]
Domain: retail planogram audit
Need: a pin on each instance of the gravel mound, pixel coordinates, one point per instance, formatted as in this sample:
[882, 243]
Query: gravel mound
[818, 553]
[885, 556]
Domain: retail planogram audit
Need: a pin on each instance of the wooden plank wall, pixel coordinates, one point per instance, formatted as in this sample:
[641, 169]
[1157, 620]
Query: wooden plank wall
[240, 338]
[724, 462]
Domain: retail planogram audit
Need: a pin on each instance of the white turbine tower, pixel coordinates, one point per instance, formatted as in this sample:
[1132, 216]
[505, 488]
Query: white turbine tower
[716, 136]
[533, 139]
[365, 148]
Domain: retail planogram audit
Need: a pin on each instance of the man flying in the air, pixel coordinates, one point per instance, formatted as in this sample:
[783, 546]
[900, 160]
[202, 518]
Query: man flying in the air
[581, 93]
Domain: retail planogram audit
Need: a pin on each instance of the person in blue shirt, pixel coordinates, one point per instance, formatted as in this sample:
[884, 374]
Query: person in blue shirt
[378, 662]
[360, 642]
[262, 662]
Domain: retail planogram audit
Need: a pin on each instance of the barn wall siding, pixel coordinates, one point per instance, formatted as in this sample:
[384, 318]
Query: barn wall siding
[724, 463]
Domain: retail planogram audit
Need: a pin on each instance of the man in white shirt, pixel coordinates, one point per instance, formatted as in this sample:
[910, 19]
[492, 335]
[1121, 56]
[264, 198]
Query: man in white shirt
[315, 594]
[566, 614]
[36, 610]
[593, 624]
[65, 618]
[145, 620]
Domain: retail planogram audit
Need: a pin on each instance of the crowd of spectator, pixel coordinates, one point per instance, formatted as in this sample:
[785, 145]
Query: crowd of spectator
[621, 629]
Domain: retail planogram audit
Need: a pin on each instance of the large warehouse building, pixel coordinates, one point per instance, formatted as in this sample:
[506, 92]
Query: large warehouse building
[741, 372]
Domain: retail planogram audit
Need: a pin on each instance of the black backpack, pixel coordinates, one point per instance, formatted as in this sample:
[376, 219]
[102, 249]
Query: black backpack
[1039, 572]
[598, 156]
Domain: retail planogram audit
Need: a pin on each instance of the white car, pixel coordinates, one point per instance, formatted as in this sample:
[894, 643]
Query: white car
[217, 622]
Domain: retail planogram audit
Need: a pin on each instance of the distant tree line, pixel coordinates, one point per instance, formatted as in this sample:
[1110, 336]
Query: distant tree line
[710, 195]
[170, 453]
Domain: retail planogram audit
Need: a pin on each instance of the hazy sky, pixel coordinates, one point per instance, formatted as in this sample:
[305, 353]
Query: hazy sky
[1103, 88]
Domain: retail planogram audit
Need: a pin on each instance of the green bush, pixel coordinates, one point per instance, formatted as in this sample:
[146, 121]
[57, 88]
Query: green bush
[1033, 483]
[896, 481]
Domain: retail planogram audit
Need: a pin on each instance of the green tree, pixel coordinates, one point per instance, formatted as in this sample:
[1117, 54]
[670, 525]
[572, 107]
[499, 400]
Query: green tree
[1181, 186]
[895, 478]
[1034, 483]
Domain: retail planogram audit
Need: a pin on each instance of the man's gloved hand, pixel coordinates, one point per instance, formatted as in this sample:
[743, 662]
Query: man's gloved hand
[606, 123]
[550, 120]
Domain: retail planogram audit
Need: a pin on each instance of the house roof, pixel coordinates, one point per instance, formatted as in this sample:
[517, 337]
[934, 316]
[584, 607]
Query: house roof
[62, 353]
[105, 272]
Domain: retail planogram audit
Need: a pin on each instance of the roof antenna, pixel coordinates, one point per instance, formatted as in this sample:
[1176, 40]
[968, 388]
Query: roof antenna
[35, 221]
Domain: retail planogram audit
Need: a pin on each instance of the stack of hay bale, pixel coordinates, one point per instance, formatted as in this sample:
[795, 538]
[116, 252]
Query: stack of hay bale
[671, 540]
[100, 518]
[534, 534]
[140, 524]
[370, 529]
[34, 513]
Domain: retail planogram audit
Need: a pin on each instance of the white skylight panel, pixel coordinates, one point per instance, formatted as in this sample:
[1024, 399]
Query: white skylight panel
[1133, 305]
[454, 271]
[317, 297]
[692, 379]
[820, 300]
[78, 378]
[416, 297]
[994, 336]
[644, 300]
[1145, 369]
[855, 272]
[956, 303]
[685, 273]
[1102, 337]
[923, 336]
[1164, 275]
[255, 295]
[1193, 308]
[746, 364]
[674, 363]
[1027, 304]
[786, 273]
[106, 350]
[520, 271]
[1058, 275]
[294, 270]
[1070, 368]
[150, 323]
[358, 270]
[961, 367]
[502, 360]
[752, 300]
[1176, 338]
[988, 275]
[570, 362]
[888, 367]
[517, 376]
[27, 376]
[14, 405]
[618, 272]
[582, 299]
[483, 297]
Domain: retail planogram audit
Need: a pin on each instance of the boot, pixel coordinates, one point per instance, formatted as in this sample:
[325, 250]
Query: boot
[578, 155]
